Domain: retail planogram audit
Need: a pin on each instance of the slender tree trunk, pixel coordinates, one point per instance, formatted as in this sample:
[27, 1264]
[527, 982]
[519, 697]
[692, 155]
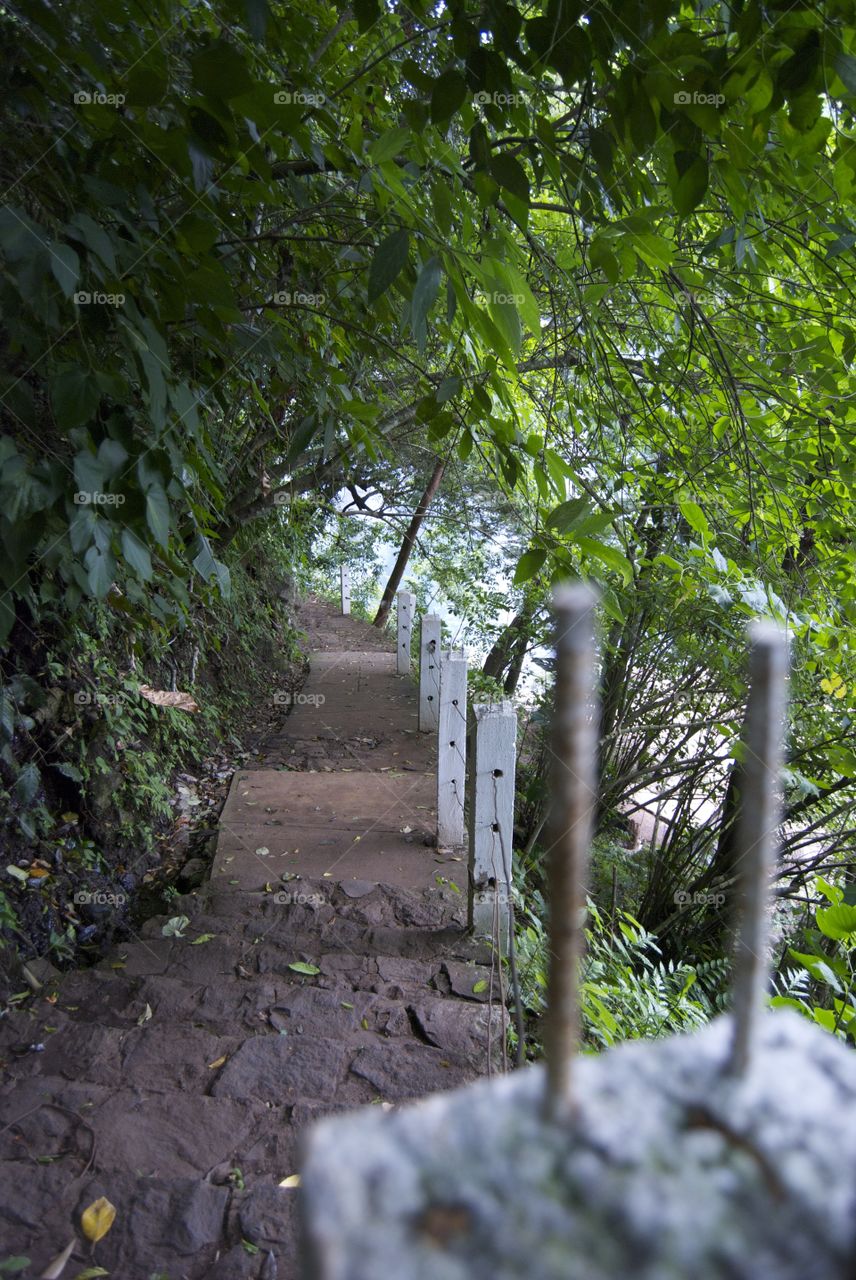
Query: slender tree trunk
[408, 542]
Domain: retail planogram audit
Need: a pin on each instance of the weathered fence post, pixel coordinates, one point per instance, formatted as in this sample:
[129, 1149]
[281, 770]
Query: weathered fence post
[429, 673]
[491, 791]
[406, 601]
[575, 741]
[345, 576]
[756, 834]
[452, 749]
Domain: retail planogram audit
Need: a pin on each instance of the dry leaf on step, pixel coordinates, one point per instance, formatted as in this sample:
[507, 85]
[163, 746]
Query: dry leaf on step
[56, 1266]
[293, 1180]
[166, 698]
[97, 1220]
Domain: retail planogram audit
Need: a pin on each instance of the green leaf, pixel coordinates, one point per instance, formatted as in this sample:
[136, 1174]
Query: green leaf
[221, 71]
[424, 297]
[480, 986]
[695, 517]
[65, 265]
[838, 921]
[100, 571]
[137, 554]
[74, 397]
[610, 556]
[27, 784]
[158, 513]
[389, 260]
[447, 95]
[510, 174]
[300, 966]
[528, 565]
[12, 1265]
[691, 184]
[203, 937]
[204, 563]
[563, 517]
[845, 65]
[388, 145]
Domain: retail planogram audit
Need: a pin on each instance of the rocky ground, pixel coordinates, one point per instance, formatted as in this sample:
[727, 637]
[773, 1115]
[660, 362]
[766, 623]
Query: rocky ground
[176, 1078]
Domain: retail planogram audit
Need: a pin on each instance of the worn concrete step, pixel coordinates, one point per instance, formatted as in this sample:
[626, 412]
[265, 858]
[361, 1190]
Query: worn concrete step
[375, 827]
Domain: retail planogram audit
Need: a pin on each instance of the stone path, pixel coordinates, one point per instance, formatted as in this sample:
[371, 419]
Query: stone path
[324, 966]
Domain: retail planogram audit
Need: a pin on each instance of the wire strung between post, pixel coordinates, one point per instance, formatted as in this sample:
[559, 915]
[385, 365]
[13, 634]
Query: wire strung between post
[756, 835]
[575, 739]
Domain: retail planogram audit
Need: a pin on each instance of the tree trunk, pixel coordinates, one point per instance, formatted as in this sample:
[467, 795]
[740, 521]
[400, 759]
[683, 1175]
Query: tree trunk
[407, 544]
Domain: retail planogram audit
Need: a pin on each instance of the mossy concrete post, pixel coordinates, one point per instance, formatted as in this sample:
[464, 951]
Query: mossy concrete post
[345, 579]
[429, 673]
[491, 805]
[452, 749]
[406, 602]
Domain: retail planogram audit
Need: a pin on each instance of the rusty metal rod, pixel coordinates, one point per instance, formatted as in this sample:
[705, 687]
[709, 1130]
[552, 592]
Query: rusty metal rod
[756, 835]
[575, 743]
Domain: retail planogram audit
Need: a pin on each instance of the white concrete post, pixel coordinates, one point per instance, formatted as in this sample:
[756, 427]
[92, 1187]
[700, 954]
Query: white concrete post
[429, 673]
[345, 575]
[406, 601]
[452, 750]
[491, 789]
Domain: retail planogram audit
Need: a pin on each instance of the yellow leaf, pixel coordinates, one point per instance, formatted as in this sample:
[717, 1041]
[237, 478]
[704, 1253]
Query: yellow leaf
[97, 1220]
[218, 1062]
[145, 1015]
[293, 1180]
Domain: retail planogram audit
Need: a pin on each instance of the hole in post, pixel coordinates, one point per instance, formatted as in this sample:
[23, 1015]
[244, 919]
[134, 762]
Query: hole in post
[494, 826]
[497, 773]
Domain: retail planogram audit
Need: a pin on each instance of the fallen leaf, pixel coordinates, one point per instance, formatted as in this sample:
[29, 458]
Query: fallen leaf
[175, 927]
[203, 937]
[97, 1220]
[345, 1005]
[365, 1024]
[262, 851]
[300, 966]
[145, 1015]
[218, 1062]
[479, 986]
[56, 1266]
[91, 1273]
[18, 872]
[11, 1266]
[293, 1180]
[166, 698]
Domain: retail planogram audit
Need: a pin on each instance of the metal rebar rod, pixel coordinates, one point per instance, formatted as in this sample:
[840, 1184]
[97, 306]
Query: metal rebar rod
[575, 740]
[756, 835]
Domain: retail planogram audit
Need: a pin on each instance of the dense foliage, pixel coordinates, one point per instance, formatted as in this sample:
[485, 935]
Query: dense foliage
[573, 285]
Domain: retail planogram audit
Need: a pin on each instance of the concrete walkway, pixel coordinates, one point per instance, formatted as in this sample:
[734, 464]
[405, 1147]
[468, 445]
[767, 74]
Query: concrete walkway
[324, 966]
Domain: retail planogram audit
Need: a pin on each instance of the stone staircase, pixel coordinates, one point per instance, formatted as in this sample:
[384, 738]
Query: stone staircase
[323, 967]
